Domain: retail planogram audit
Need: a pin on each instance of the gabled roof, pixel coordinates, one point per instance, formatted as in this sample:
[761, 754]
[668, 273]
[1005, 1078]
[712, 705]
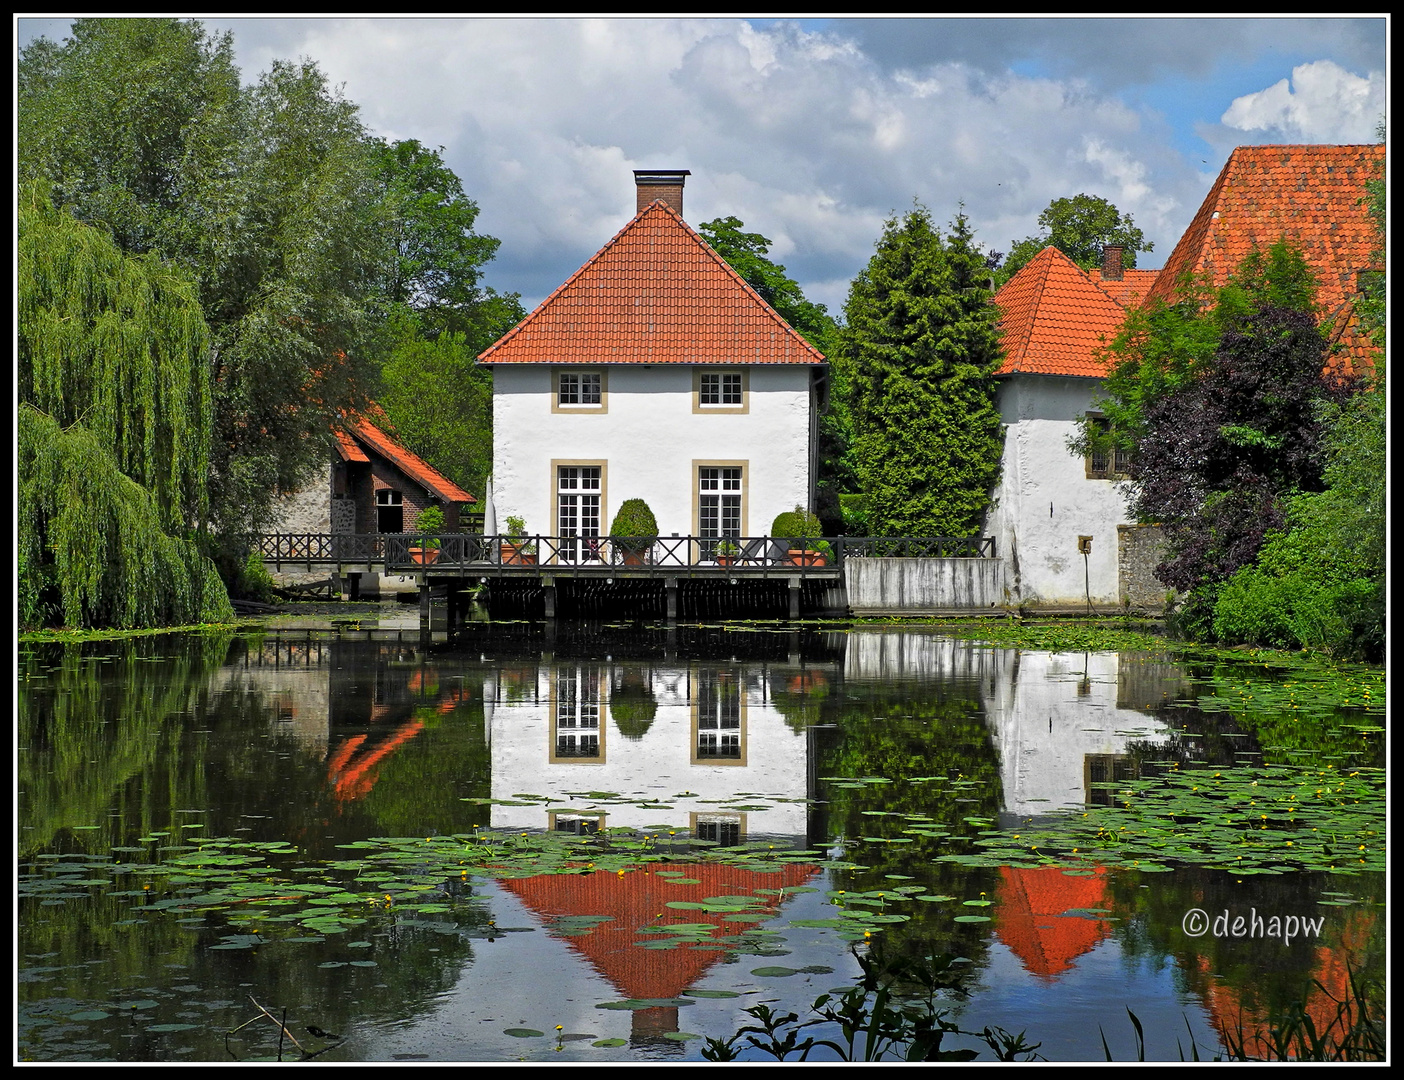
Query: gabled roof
[1055, 319]
[655, 294]
[1312, 195]
[365, 433]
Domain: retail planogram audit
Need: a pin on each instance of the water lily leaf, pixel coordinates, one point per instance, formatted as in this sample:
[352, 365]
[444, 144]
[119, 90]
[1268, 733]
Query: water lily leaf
[523, 1033]
[774, 972]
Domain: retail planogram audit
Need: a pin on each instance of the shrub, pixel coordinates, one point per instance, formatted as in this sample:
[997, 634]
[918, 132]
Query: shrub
[255, 582]
[796, 524]
[634, 520]
[431, 520]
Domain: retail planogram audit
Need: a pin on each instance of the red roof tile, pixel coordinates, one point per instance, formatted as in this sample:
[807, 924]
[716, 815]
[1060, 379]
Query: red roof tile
[655, 294]
[1312, 195]
[1032, 902]
[1131, 289]
[1055, 319]
[412, 466]
[347, 448]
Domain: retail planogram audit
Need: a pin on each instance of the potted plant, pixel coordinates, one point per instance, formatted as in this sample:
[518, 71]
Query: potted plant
[726, 551]
[515, 547]
[431, 520]
[634, 531]
[799, 528]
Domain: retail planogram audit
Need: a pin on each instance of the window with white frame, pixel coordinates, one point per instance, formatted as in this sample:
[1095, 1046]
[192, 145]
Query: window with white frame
[720, 388]
[579, 389]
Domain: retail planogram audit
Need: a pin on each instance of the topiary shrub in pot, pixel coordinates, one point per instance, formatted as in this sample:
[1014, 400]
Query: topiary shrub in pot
[634, 531]
[431, 520]
[801, 530]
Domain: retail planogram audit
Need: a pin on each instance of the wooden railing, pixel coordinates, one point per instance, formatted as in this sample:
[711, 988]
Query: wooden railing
[410, 551]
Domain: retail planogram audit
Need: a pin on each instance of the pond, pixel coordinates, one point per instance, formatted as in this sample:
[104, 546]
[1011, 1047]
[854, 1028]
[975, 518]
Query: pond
[605, 843]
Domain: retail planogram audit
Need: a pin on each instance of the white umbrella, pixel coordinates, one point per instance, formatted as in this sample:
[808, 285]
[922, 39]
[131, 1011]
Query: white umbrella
[490, 517]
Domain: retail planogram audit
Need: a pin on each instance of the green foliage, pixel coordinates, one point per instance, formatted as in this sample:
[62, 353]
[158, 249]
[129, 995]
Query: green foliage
[796, 524]
[1079, 227]
[634, 519]
[266, 196]
[92, 548]
[120, 344]
[516, 527]
[431, 520]
[437, 400]
[919, 353]
[255, 582]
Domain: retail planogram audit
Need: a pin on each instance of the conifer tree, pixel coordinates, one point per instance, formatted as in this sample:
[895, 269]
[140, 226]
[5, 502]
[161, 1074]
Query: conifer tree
[919, 352]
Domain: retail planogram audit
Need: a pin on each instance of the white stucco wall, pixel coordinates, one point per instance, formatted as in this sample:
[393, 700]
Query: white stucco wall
[1045, 501]
[649, 439]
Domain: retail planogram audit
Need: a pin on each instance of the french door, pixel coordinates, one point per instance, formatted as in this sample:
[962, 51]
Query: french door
[718, 505]
[578, 489]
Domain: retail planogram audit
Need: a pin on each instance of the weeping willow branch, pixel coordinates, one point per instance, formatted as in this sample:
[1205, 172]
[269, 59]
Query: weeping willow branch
[120, 344]
[92, 551]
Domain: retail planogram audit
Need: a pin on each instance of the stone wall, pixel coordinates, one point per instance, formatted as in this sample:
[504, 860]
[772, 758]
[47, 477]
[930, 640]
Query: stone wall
[1139, 549]
[923, 586]
[307, 510]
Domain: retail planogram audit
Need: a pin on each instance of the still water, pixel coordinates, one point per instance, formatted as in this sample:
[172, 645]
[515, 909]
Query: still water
[685, 822]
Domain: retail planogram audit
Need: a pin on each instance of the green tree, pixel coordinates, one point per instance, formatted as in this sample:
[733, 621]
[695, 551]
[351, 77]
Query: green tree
[438, 401]
[265, 196]
[439, 259]
[1079, 227]
[114, 430]
[920, 351]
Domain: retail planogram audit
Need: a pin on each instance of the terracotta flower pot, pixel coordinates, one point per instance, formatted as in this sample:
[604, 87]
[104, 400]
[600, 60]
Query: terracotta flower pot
[423, 556]
[806, 557]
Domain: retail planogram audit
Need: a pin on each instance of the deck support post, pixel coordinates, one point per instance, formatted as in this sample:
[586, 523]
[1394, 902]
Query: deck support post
[794, 598]
[670, 592]
[423, 602]
[548, 593]
[355, 586]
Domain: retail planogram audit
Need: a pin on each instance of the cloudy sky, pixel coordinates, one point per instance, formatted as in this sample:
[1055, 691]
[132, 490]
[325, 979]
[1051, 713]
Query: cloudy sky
[814, 131]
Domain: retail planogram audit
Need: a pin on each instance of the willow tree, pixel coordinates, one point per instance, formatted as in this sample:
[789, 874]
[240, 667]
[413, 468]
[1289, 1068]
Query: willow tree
[120, 344]
[114, 432]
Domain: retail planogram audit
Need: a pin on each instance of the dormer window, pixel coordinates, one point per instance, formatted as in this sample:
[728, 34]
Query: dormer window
[720, 390]
[579, 390]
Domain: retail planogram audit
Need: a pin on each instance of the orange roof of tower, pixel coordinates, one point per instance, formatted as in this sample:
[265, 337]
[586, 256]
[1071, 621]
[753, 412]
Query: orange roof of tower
[655, 294]
[1054, 318]
[1032, 901]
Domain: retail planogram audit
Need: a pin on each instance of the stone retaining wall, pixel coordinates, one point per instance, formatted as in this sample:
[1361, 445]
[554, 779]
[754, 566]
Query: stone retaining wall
[923, 586]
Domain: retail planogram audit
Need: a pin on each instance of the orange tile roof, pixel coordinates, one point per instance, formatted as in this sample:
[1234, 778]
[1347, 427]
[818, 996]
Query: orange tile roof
[1130, 290]
[655, 294]
[347, 448]
[1055, 319]
[411, 465]
[1312, 195]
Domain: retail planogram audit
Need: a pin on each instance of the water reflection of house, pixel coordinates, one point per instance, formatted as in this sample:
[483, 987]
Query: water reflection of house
[1062, 728]
[292, 678]
[706, 728]
[637, 900]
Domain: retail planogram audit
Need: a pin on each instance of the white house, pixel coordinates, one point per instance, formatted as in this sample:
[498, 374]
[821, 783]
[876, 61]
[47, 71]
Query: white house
[1059, 520]
[654, 372]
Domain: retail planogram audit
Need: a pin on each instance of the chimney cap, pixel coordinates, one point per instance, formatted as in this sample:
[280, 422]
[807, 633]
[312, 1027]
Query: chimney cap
[656, 177]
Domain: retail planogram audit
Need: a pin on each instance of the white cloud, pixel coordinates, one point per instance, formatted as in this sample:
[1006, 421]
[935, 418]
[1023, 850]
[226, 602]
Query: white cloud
[1323, 103]
[797, 133]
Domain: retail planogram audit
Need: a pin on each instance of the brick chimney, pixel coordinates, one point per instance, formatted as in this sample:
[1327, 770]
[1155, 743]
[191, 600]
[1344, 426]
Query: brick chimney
[1111, 262]
[665, 184]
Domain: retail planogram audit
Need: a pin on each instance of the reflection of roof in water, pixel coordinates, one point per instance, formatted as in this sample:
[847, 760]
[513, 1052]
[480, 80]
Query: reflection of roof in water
[638, 899]
[1031, 902]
